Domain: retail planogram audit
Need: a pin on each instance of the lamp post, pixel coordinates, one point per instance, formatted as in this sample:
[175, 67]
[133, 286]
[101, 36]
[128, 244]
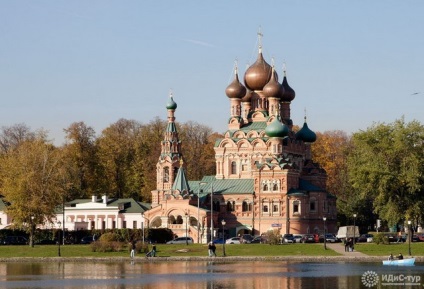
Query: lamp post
[198, 209]
[59, 223]
[186, 221]
[223, 237]
[409, 237]
[32, 232]
[354, 227]
[325, 239]
[211, 240]
[142, 227]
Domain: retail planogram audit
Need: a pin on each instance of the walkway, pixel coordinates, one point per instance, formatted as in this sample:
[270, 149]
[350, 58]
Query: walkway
[339, 248]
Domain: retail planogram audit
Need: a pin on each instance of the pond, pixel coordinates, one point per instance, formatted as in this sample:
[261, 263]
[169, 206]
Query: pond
[204, 274]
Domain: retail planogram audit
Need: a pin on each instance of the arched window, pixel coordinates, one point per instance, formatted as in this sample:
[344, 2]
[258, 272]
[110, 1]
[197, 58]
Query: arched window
[166, 175]
[179, 220]
[275, 187]
[265, 187]
[230, 206]
[233, 168]
[246, 207]
[265, 208]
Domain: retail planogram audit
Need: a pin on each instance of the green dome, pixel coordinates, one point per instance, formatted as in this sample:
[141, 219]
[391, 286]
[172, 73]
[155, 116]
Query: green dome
[171, 104]
[305, 134]
[277, 129]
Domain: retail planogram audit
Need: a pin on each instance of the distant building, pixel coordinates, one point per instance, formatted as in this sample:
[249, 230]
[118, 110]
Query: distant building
[265, 176]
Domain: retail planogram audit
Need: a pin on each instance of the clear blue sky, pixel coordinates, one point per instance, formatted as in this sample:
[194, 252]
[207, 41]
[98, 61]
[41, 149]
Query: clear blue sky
[351, 63]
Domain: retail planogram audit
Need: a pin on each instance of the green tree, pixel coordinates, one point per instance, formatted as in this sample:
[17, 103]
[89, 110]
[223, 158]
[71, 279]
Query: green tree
[386, 166]
[32, 183]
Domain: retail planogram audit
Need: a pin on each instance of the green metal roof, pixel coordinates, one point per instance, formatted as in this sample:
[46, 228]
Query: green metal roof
[181, 183]
[223, 187]
[129, 205]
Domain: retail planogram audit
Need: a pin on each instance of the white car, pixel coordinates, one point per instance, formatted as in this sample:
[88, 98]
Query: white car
[233, 240]
[181, 240]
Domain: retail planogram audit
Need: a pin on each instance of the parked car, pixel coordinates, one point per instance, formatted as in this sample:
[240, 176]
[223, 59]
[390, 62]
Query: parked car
[246, 239]
[219, 241]
[420, 237]
[308, 238]
[297, 238]
[233, 240]
[14, 240]
[257, 240]
[365, 238]
[288, 238]
[181, 240]
[87, 240]
[330, 238]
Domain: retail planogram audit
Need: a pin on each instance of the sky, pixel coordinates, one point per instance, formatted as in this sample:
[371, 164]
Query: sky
[351, 63]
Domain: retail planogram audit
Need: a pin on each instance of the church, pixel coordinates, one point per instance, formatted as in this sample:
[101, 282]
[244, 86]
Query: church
[265, 176]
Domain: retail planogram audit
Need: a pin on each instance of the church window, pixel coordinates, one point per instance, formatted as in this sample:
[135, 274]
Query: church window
[275, 208]
[246, 207]
[275, 187]
[233, 168]
[265, 208]
[166, 175]
[313, 205]
[296, 208]
[265, 187]
[230, 206]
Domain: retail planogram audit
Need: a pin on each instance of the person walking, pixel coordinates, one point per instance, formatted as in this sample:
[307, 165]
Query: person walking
[213, 250]
[132, 254]
[152, 253]
[210, 253]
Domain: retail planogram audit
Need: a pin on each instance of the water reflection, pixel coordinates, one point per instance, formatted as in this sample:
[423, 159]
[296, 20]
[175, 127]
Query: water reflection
[193, 274]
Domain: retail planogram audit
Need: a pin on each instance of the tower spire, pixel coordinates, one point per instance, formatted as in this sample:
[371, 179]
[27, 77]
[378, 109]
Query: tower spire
[260, 35]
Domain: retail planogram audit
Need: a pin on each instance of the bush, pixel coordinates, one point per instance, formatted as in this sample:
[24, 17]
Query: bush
[106, 246]
[109, 237]
[380, 238]
[273, 237]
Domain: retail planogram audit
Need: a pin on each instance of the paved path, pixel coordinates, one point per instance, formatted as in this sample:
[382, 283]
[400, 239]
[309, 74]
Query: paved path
[339, 248]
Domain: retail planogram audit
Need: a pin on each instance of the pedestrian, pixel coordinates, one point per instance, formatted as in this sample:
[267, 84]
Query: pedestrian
[400, 256]
[210, 253]
[346, 244]
[132, 254]
[152, 253]
[213, 250]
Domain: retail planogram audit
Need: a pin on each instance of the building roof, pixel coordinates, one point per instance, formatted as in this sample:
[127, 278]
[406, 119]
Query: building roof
[126, 205]
[222, 187]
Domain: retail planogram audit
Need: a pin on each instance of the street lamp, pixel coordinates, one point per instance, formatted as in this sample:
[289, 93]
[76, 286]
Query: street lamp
[211, 213]
[409, 237]
[32, 232]
[354, 227]
[325, 239]
[59, 223]
[186, 221]
[223, 237]
[142, 228]
[198, 209]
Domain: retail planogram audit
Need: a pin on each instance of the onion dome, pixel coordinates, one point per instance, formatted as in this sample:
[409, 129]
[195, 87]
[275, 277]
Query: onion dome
[171, 104]
[277, 129]
[248, 96]
[273, 87]
[258, 74]
[287, 93]
[305, 134]
[235, 89]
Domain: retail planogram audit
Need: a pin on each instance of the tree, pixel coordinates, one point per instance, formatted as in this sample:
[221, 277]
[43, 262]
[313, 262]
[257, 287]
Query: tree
[32, 183]
[116, 150]
[12, 136]
[81, 160]
[386, 166]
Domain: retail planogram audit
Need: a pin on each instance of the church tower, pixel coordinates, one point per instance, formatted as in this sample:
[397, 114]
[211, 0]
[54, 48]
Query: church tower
[170, 158]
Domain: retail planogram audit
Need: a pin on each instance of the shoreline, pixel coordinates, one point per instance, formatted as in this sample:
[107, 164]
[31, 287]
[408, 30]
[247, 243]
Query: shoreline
[319, 259]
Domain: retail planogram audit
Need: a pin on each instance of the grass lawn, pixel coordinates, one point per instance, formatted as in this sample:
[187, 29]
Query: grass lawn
[372, 249]
[171, 250]
[262, 250]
